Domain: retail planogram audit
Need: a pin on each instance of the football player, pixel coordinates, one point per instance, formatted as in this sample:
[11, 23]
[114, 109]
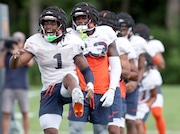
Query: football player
[56, 52]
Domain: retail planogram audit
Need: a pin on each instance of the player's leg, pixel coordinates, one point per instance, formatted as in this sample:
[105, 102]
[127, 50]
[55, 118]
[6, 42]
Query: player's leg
[23, 100]
[157, 112]
[122, 120]
[139, 126]
[100, 116]
[114, 127]
[7, 105]
[100, 129]
[160, 122]
[70, 82]
[76, 124]
[140, 123]
[131, 102]
[51, 108]
[76, 127]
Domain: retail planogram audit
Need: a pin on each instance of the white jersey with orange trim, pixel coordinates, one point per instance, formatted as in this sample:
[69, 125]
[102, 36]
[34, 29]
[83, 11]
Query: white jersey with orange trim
[154, 47]
[151, 79]
[96, 54]
[54, 60]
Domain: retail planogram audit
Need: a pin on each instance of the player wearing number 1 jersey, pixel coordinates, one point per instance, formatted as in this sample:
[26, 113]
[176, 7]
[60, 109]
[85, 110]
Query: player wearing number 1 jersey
[56, 51]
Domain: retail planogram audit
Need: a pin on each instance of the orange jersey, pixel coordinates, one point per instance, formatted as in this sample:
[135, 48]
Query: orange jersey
[122, 86]
[99, 67]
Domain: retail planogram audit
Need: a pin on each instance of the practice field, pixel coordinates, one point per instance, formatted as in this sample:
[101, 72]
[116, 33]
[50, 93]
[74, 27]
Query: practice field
[171, 113]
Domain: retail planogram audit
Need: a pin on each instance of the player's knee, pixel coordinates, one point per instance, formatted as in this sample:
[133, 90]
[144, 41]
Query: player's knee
[68, 78]
[130, 123]
[100, 129]
[76, 127]
[113, 129]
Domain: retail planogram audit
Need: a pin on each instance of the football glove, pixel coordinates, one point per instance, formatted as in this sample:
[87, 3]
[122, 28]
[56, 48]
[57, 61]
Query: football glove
[108, 98]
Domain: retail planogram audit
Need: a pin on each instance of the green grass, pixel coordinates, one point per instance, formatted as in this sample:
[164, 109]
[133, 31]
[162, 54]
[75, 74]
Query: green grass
[171, 112]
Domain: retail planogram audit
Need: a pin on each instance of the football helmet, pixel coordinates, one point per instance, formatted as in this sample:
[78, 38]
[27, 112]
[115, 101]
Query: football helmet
[108, 18]
[142, 30]
[55, 14]
[84, 8]
[125, 20]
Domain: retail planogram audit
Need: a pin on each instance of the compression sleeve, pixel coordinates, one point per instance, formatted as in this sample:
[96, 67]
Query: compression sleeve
[115, 72]
[88, 75]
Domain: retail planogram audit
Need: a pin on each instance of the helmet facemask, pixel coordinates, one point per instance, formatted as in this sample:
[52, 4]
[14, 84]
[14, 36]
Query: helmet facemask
[50, 34]
[84, 8]
[83, 27]
[54, 16]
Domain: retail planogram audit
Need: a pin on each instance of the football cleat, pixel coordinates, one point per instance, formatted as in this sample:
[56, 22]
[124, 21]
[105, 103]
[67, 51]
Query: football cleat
[78, 102]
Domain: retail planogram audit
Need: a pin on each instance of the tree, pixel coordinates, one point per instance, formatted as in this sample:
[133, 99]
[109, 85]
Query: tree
[172, 14]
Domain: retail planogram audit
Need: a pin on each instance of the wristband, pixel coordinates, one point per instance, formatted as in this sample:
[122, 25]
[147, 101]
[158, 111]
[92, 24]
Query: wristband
[88, 75]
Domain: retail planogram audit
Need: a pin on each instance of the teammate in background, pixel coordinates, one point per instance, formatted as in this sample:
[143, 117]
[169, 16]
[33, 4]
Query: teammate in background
[155, 50]
[101, 53]
[56, 53]
[16, 84]
[126, 23]
[123, 47]
[147, 95]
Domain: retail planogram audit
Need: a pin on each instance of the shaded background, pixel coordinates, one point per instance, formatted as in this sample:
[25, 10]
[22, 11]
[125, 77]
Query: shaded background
[162, 17]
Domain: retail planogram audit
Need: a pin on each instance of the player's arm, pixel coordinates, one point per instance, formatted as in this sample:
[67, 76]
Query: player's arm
[83, 66]
[30, 63]
[152, 99]
[159, 61]
[20, 58]
[131, 85]
[115, 64]
[125, 67]
[133, 70]
[115, 73]
[141, 66]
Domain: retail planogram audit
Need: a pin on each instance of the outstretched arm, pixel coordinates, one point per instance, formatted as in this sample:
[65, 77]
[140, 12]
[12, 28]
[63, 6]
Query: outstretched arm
[20, 58]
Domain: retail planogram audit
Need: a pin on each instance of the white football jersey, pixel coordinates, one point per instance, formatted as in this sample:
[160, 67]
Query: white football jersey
[97, 44]
[151, 79]
[123, 45]
[154, 47]
[139, 44]
[54, 60]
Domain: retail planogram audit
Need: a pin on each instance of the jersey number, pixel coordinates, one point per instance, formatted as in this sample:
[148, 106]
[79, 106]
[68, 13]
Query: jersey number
[59, 61]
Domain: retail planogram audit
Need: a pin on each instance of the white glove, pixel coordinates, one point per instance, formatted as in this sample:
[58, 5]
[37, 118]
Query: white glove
[142, 109]
[108, 98]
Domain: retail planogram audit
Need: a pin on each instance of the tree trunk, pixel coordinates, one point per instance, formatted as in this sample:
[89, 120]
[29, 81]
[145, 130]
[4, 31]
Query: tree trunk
[34, 13]
[172, 14]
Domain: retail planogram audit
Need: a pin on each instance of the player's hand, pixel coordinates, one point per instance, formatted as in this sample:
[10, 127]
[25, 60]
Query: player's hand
[131, 86]
[19, 52]
[90, 91]
[108, 98]
[142, 109]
